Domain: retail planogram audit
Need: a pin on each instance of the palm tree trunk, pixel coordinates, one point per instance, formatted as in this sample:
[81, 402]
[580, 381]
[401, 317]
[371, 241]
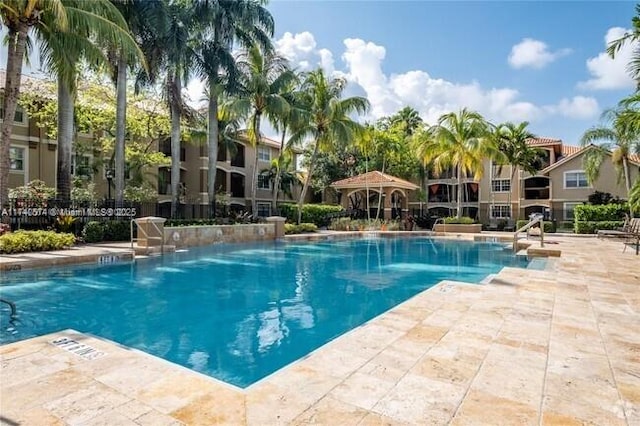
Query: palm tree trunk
[366, 184]
[513, 174]
[65, 139]
[212, 142]
[627, 180]
[306, 181]
[459, 189]
[16, 48]
[174, 94]
[121, 114]
[380, 193]
[276, 184]
[254, 181]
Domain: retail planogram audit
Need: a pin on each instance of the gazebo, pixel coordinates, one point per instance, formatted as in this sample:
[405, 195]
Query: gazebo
[394, 192]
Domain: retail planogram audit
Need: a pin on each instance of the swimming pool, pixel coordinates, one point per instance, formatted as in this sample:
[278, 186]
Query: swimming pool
[240, 312]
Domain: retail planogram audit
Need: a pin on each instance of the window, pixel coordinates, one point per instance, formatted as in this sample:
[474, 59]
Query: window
[16, 159]
[264, 153]
[264, 209]
[81, 165]
[568, 210]
[18, 118]
[500, 211]
[500, 185]
[263, 182]
[575, 179]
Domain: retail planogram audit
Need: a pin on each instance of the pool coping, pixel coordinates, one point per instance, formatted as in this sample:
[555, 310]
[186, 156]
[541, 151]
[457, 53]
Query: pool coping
[530, 315]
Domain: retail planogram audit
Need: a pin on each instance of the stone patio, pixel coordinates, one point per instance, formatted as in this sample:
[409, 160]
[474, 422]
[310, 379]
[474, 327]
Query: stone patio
[560, 346]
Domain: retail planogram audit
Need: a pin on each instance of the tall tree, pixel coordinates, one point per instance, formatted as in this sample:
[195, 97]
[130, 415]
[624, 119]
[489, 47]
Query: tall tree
[408, 119]
[20, 17]
[618, 140]
[144, 19]
[327, 119]
[457, 141]
[629, 37]
[512, 149]
[224, 24]
[264, 78]
[62, 52]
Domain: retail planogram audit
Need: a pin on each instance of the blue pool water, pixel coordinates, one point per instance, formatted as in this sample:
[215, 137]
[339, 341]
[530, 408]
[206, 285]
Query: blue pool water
[241, 312]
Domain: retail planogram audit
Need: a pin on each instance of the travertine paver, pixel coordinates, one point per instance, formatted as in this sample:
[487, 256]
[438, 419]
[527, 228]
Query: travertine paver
[560, 346]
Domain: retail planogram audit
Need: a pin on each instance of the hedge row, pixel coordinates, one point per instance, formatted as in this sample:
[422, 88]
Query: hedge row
[27, 241]
[290, 228]
[600, 213]
[111, 230]
[311, 213]
[591, 227]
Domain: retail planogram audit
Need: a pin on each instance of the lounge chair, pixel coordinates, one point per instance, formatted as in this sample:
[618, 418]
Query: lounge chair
[493, 225]
[633, 235]
[510, 226]
[620, 232]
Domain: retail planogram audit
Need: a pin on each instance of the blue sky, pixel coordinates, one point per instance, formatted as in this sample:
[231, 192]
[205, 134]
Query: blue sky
[543, 62]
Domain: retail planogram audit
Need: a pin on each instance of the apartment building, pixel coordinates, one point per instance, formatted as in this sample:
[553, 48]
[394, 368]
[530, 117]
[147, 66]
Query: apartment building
[558, 186]
[33, 155]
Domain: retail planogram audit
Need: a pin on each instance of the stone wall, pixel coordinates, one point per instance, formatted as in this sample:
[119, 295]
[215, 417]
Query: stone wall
[188, 236]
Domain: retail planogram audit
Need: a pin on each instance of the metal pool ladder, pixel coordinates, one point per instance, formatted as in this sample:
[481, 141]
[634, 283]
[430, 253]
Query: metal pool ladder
[533, 219]
[12, 305]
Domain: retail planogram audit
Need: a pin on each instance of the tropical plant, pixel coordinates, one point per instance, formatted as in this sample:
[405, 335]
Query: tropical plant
[36, 193]
[408, 119]
[510, 141]
[282, 174]
[264, 78]
[618, 141]
[62, 51]
[243, 23]
[634, 197]
[66, 24]
[459, 141]
[629, 37]
[327, 119]
[144, 18]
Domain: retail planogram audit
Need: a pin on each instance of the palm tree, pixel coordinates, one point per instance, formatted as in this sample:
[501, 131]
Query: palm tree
[63, 50]
[512, 149]
[458, 141]
[264, 78]
[327, 119]
[408, 118]
[175, 55]
[144, 18]
[282, 174]
[20, 17]
[619, 140]
[243, 22]
[630, 37]
[290, 119]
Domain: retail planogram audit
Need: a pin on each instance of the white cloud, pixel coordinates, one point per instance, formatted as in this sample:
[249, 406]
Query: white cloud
[534, 54]
[608, 73]
[362, 65]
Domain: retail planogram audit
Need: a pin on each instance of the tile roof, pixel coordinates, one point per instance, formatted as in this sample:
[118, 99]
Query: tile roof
[543, 141]
[570, 149]
[374, 178]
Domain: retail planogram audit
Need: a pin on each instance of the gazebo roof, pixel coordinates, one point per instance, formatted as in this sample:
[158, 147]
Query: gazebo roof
[375, 178]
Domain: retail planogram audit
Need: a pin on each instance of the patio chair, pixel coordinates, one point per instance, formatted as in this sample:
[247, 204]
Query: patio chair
[633, 235]
[493, 225]
[620, 232]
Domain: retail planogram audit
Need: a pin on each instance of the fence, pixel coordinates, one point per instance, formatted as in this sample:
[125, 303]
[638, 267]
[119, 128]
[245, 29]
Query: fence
[23, 214]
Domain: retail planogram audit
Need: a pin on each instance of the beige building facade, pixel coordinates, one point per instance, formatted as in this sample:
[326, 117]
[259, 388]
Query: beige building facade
[33, 155]
[559, 185]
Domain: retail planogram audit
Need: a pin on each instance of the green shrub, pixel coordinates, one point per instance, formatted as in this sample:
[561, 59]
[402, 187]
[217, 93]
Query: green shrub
[341, 224]
[26, 241]
[461, 221]
[311, 213]
[290, 228]
[93, 232]
[117, 230]
[590, 227]
[598, 213]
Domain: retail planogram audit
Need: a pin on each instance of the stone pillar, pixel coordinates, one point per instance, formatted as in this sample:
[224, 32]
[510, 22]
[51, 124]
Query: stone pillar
[278, 223]
[387, 203]
[344, 199]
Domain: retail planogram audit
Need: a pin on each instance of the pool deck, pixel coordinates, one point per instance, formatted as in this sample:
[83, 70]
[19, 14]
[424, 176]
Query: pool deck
[558, 347]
